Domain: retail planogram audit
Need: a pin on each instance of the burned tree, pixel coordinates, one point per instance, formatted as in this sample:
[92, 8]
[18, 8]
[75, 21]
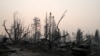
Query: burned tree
[66, 38]
[52, 32]
[79, 36]
[51, 27]
[46, 28]
[17, 31]
[97, 39]
[36, 28]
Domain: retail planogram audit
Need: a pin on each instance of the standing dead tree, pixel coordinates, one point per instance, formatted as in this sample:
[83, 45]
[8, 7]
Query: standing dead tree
[97, 38]
[17, 31]
[79, 36]
[36, 28]
[52, 31]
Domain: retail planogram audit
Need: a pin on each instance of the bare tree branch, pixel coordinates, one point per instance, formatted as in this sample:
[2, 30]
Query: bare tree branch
[7, 30]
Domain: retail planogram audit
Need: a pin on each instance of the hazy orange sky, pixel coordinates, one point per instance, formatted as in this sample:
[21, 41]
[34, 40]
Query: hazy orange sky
[84, 14]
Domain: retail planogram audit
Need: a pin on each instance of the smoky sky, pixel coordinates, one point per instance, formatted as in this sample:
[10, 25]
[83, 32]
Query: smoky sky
[84, 14]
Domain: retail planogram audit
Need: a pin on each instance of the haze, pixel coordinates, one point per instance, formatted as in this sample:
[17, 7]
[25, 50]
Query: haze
[84, 14]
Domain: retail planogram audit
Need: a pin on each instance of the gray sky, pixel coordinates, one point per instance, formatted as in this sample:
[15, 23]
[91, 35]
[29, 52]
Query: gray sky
[84, 14]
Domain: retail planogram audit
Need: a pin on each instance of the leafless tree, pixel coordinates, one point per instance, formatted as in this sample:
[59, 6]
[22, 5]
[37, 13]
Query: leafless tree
[17, 31]
[64, 38]
[36, 28]
[52, 32]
